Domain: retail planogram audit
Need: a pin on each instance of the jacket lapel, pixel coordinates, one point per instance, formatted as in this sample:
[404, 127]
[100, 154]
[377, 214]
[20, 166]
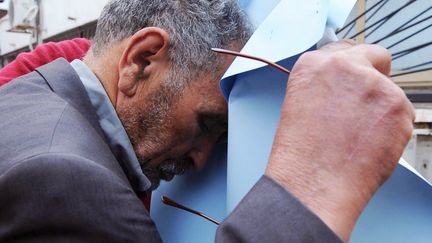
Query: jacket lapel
[65, 82]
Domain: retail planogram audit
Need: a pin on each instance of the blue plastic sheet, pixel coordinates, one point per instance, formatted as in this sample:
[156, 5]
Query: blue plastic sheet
[400, 211]
[208, 191]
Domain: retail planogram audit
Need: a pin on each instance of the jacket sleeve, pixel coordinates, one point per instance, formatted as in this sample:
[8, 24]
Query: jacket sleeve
[64, 198]
[269, 213]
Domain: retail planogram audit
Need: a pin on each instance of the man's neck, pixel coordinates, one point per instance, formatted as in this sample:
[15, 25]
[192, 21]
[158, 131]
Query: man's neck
[105, 67]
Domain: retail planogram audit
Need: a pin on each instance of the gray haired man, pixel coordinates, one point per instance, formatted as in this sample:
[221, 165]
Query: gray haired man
[80, 141]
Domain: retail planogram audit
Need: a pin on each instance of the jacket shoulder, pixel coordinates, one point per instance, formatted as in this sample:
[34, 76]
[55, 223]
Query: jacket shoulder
[69, 197]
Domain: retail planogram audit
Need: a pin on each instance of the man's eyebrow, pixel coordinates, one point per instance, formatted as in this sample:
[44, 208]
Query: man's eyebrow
[214, 115]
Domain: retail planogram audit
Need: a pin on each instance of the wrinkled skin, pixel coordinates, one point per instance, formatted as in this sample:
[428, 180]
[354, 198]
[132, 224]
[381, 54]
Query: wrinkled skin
[343, 128]
[174, 132]
[172, 121]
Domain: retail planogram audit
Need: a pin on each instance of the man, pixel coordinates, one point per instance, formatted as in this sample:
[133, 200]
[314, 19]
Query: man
[27, 62]
[69, 173]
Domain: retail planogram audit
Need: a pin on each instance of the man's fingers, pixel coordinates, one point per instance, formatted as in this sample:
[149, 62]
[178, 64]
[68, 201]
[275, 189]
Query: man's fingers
[338, 45]
[378, 56]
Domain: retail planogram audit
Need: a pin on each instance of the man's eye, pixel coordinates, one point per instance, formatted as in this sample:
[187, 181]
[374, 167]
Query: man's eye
[204, 125]
[211, 124]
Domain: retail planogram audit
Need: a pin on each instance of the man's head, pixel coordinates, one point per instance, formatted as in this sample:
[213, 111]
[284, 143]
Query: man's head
[154, 59]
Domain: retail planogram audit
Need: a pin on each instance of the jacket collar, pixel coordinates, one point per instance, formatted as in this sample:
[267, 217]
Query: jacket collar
[64, 81]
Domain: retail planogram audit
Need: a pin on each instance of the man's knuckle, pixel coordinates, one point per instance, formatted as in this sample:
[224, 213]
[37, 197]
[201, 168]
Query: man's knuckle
[383, 52]
[400, 105]
[339, 59]
[369, 81]
[308, 57]
[400, 98]
[409, 128]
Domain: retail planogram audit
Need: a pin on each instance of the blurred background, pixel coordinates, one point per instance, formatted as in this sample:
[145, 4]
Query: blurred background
[402, 26]
[405, 28]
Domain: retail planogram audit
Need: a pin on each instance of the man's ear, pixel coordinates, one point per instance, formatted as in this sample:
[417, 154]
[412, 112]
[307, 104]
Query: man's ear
[146, 51]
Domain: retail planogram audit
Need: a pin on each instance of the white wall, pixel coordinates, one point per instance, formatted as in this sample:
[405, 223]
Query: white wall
[61, 15]
[9, 41]
[57, 16]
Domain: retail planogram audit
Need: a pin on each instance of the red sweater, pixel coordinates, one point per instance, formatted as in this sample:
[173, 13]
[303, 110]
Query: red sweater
[28, 61]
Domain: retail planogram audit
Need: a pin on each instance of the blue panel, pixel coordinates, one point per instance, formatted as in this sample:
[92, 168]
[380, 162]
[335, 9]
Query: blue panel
[204, 191]
[400, 212]
[254, 110]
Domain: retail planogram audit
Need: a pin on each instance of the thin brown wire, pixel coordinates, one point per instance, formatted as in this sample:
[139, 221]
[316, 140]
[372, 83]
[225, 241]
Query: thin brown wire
[235, 53]
[173, 203]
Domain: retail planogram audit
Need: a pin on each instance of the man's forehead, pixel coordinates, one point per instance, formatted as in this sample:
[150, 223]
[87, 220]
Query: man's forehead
[213, 105]
[207, 87]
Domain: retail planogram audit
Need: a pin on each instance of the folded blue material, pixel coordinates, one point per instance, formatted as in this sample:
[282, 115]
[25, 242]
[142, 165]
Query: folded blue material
[255, 99]
[400, 211]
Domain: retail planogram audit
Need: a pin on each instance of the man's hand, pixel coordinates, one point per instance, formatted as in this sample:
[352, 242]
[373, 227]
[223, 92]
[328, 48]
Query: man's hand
[343, 128]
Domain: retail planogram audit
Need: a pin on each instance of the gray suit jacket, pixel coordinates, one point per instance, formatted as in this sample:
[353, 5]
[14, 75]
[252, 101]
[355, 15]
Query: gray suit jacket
[59, 180]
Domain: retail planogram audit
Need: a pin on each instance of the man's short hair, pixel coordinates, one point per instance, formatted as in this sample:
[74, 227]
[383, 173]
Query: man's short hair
[194, 26]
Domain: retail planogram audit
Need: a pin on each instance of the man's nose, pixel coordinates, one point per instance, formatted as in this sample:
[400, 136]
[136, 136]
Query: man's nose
[201, 152]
